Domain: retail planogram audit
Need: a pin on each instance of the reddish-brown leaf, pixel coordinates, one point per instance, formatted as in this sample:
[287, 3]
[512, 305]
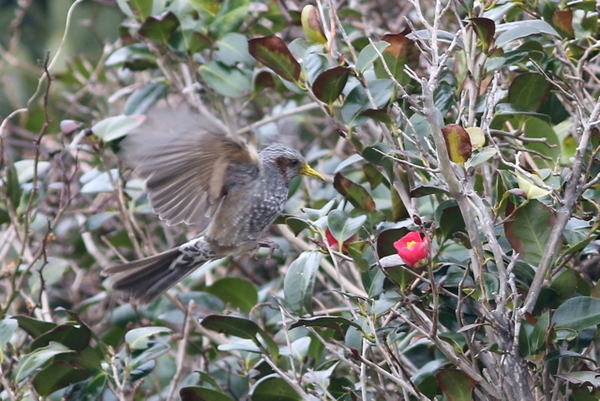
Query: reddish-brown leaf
[458, 143]
[273, 52]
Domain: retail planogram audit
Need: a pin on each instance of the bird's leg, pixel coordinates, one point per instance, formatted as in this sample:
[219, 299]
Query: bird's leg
[267, 243]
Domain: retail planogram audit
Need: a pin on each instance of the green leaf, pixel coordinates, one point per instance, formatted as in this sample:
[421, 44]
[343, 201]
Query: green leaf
[299, 281]
[233, 49]
[136, 57]
[356, 194]
[242, 328]
[143, 99]
[342, 226]
[512, 31]
[197, 393]
[237, 292]
[138, 339]
[7, 328]
[34, 327]
[337, 323]
[273, 52]
[565, 353]
[75, 337]
[537, 339]
[139, 9]
[329, 84]
[37, 359]
[115, 127]
[228, 81]
[456, 385]
[230, 17]
[577, 314]
[211, 7]
[449, 218]
[159, 28]
[59, 374]
[529, 91]
[273, 388]
[13, 188]
[528, 231]
[368, 55]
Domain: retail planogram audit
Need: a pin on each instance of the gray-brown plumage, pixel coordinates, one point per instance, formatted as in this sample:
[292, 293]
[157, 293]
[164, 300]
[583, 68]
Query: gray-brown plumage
[198, 174]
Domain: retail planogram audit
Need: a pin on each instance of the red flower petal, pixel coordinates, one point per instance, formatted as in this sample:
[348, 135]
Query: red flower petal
[413, 249]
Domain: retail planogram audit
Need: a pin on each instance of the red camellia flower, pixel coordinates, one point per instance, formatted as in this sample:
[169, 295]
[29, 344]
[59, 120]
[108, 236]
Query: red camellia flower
[413, 249]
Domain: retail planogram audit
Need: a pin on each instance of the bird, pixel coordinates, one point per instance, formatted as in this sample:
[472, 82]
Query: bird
[199, 174]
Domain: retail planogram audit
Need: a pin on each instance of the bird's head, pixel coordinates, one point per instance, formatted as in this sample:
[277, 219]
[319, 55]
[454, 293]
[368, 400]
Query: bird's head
[289, 161]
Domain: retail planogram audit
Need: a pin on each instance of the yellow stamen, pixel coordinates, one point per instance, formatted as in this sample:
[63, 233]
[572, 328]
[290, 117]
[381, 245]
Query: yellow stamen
[410, 244]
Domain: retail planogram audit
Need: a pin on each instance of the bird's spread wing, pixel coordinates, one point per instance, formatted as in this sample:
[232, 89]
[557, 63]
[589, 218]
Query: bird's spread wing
[186, 161]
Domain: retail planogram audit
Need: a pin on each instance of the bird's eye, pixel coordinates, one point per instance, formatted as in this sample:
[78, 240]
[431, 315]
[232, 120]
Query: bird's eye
[295, 162]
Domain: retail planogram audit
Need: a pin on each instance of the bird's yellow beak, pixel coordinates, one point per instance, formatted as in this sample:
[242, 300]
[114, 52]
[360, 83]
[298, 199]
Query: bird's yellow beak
[310, 172]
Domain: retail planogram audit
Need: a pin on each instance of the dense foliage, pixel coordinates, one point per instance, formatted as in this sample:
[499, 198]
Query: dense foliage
[462, 136]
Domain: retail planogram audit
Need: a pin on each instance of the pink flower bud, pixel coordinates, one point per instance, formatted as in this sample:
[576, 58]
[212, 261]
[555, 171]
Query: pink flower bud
[413, 248]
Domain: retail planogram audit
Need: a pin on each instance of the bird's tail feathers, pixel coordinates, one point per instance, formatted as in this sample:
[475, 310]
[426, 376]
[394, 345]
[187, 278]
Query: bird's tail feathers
[145, 279]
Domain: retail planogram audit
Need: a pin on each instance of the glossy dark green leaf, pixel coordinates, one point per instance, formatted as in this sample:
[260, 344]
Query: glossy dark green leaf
[274, 388]
[75, 337]
[56, 376]
[116, 127]
[232, 49]
[337, 323]
[449, 218]
[230, 17]
[236, 292]
[356, 194]
[196, 41]
[139, 338]
[34, 327]
[386, 239]
[197, 393]
[521, 29]
[456, 385]
[143, 99]
[210, 7]
[228, 81]
[577, 314]
[299, 282]
[273, 52]
[565, 353]
[159, 28]
[486, 29]
[136, 57]
[140, 8]
[242, 328]
[38, 358]
[529, 50]
[329, 84]
[13, 188]
[529, 91]
[343, 226]
[378, 155]
[540, 332]
[529, 229]
[368, 55]
[426, 190]
[297, 225]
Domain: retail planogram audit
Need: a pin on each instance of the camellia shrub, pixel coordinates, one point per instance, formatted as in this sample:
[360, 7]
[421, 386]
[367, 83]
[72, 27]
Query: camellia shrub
[451, 254]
